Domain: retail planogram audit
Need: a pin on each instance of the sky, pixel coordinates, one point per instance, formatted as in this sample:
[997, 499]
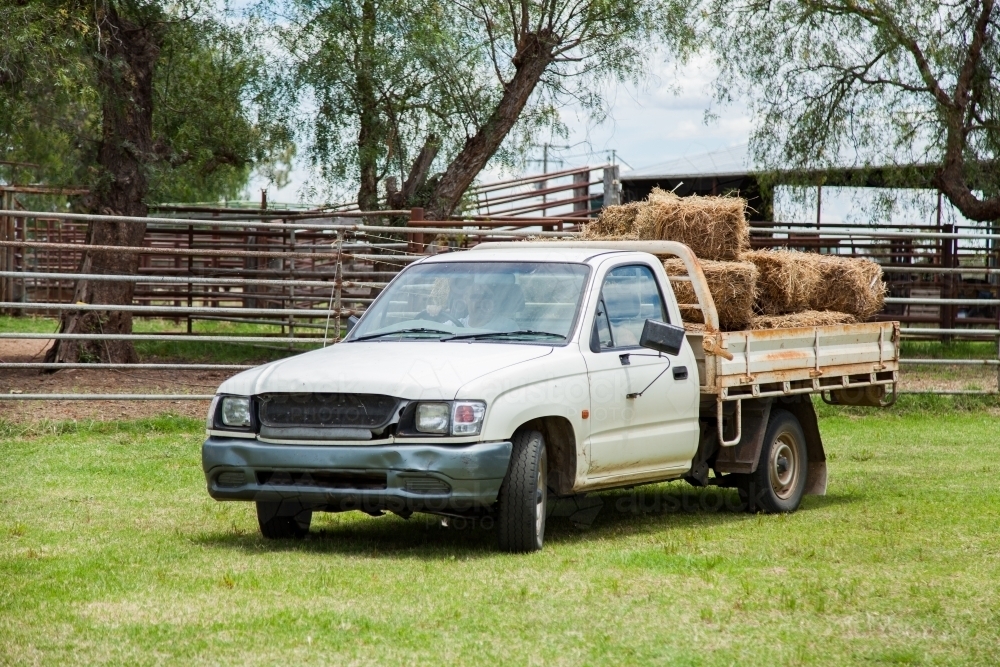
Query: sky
[662, 120]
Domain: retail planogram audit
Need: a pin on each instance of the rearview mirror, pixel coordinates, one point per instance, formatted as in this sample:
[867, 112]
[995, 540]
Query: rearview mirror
[662, 337]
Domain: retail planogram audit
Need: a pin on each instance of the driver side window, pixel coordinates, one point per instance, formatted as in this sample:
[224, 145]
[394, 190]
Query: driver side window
[629, 297]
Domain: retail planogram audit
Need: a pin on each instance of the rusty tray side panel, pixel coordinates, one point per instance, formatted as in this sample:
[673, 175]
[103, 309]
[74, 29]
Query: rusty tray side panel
[735, 359]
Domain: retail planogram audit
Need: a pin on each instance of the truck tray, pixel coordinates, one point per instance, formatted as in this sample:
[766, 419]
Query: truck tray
[801, 360]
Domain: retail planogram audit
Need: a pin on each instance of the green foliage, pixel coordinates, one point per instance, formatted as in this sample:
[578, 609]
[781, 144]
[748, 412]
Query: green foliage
[379, 78]
[210, 91]
[382, 77]
[49, 105]
[892, 84]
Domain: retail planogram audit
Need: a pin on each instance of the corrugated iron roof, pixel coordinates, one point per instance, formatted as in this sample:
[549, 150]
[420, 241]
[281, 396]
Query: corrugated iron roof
[731, 161]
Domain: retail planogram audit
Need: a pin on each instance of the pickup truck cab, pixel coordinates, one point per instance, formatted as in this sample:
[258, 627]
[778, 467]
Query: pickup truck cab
[489, 382]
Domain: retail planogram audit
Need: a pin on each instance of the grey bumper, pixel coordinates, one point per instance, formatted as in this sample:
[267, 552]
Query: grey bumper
[412, 478]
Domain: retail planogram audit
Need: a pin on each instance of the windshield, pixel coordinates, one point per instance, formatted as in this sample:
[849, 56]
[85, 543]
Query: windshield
[512, 301]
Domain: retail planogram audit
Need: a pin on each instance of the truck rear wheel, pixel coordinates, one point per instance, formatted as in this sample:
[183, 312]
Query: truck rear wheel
[523, 498]
[780, 479]
[283, 520]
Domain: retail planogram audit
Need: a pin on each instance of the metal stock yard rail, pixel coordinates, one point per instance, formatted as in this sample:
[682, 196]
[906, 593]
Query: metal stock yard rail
[304, 272]
[336, 249]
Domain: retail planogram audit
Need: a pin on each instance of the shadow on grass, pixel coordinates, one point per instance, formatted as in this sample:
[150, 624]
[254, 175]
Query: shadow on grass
[420, 537]
[617, 514]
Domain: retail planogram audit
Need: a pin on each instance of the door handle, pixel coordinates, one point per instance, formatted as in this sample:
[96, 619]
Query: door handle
[680, 372]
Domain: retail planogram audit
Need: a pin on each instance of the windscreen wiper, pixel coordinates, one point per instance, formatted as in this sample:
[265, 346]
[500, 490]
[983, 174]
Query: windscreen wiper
[420, 330]
[506, 334]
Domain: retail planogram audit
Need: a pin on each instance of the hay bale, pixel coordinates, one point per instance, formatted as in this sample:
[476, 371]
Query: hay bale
[715, 228]
[614, 223]
[792, 281]
[733, 286]
[787, 280]
[806, 318]
[848, 285]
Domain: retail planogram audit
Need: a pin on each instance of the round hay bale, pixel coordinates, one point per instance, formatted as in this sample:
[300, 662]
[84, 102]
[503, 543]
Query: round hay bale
[787, 280]
[807, 318]
[733, 286]
[715, 228]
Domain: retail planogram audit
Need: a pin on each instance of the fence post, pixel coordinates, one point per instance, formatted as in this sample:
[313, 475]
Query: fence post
[416, 239]
[947, 261]
[612, 193]
[338, 280]
[583, 179]
[190, 300]
[4, 295]
[291, 288]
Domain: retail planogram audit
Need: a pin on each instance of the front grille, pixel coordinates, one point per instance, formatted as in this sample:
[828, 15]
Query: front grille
[323, 479]
[427, 486]
[330, 410]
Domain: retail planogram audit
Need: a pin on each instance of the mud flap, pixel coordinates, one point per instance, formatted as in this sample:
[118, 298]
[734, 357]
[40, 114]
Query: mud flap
[742, 458]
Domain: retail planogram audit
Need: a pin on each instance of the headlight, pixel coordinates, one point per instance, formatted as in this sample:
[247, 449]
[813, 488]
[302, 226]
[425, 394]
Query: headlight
[236, 411]
[467, 417]
[433, 417]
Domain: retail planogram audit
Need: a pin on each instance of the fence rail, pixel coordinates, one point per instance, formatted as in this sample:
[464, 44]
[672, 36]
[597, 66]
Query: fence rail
[304, 271]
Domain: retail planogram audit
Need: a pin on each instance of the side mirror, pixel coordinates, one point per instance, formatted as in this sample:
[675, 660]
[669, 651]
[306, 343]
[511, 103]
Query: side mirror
[351, 322]
[662, 337]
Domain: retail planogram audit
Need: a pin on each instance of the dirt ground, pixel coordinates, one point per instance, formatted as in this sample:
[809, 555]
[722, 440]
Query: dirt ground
[15, 381]
[30, 381]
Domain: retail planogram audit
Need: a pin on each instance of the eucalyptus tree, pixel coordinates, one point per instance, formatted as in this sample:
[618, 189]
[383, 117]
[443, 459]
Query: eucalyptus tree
[138, 100]
[411, 87]
[382, 82]
[546, 52]
[879, 82]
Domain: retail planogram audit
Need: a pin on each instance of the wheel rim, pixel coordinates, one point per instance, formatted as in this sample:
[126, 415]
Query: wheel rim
[540, 499]
[784, 468]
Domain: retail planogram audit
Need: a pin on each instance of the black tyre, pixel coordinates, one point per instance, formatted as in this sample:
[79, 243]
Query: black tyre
[283, 520]
[523, 499]
[780, 479]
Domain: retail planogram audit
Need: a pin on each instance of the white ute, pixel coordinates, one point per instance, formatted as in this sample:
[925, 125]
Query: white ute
[492, 381]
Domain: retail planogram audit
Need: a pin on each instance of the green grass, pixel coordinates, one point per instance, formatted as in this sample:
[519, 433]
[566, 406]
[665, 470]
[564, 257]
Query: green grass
[959, 349]
[111, 551]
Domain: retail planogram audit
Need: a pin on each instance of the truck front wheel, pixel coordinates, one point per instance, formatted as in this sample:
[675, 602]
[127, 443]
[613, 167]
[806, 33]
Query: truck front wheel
[283, 520]
[780, 479]
[523, 497]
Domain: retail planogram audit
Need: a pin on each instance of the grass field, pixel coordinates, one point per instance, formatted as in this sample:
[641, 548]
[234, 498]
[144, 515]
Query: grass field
[111, 552]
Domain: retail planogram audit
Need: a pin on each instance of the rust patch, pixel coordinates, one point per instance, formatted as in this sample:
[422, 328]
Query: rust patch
[784, 355]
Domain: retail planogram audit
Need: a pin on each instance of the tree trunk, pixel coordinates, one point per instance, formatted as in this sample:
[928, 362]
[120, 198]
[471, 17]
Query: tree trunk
[369, 132]
[126, 54]
[419, 170]
[534, 54]
[950, 179]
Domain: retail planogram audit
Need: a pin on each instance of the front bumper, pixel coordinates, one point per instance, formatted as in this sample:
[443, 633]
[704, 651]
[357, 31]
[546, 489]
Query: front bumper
[399, 478]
